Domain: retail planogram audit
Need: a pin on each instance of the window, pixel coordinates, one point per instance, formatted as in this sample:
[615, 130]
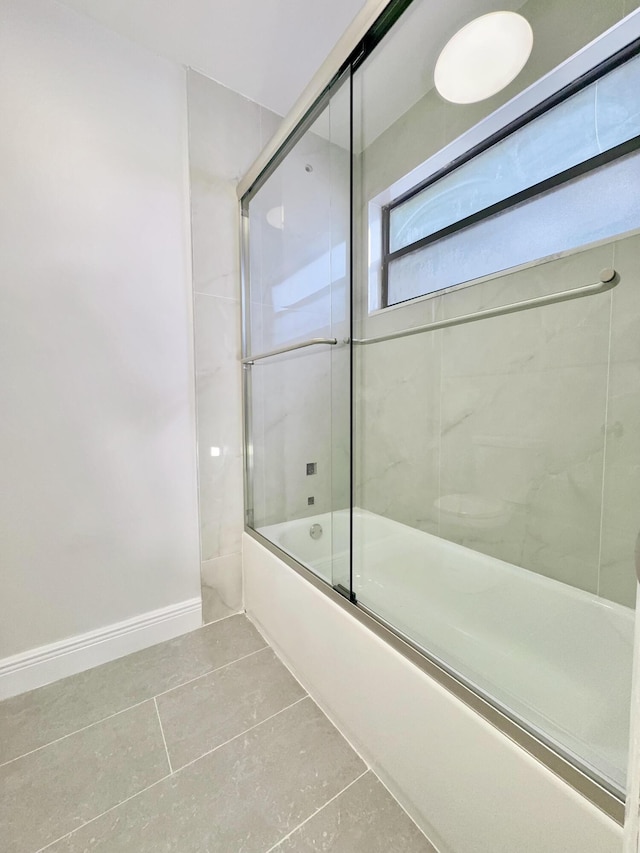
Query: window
[563, 179]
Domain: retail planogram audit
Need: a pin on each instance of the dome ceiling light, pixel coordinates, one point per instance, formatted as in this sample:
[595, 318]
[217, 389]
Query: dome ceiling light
[483, 57]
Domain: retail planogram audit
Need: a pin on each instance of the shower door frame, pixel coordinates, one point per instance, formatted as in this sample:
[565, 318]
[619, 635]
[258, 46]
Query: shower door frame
[367, 30]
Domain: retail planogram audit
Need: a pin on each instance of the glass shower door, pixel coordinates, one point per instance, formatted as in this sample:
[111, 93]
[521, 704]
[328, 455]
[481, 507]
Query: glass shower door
[297, 360]
[497, 450]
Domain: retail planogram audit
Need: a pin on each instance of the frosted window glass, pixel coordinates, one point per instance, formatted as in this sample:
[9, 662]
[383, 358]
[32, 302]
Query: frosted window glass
[598, 118]
[595, 206]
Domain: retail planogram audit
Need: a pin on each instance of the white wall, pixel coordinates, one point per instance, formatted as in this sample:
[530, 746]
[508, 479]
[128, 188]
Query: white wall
[98, 506]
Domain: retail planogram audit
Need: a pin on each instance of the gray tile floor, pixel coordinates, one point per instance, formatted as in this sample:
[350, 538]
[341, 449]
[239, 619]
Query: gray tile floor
[203, 743]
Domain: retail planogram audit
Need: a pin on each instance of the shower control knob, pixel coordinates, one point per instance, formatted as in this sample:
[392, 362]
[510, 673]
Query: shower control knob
[315, 531]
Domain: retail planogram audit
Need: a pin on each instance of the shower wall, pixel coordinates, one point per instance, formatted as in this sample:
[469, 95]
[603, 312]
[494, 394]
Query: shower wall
[515, 436]
[539, 409]
[297, 280]
[526, 409]
[299, 227]
[226, 133]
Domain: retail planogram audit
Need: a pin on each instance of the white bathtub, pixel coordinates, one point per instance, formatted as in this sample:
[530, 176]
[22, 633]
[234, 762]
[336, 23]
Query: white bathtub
[554, 656]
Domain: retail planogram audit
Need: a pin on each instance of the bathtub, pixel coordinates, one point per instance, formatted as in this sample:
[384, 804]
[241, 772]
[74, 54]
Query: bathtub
[555, 657]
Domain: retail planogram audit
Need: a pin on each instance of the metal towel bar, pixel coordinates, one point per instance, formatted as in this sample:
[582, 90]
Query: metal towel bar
[312, 342]
[609, 278]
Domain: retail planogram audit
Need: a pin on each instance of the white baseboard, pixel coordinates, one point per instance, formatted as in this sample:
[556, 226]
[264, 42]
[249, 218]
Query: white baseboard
[45, 664]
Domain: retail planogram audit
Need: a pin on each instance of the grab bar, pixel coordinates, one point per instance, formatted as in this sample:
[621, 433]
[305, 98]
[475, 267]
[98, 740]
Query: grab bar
[312, 342]
[609, 278]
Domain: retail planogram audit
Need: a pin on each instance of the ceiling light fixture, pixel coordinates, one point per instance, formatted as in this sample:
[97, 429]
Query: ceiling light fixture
[483, 57]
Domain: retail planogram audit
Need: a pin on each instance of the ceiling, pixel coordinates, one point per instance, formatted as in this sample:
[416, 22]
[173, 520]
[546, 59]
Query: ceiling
[267, 50]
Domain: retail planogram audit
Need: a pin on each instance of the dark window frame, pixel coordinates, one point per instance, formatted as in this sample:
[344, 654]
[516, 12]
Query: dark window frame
[630, 145]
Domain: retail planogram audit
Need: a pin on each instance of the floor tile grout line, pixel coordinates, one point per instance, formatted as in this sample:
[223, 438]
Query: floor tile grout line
[320, 705]
[75, 732]
[338, 729]
[318, 810]
[169, 775]
[164, 740]
[210, 672]
[131, 707]
[214, 749]
[241, 734]
[293, 675]
[102, 814]
[229, 615]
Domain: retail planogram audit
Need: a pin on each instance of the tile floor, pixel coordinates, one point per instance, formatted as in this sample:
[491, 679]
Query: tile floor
[202, 743]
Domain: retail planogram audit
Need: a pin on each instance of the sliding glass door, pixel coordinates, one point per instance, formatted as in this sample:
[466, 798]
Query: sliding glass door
[297, 358]
[442, 370]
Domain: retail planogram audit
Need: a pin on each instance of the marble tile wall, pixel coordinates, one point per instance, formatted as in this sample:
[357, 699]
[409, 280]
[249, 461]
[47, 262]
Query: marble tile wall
[511, 409]
[621, 488]
[294, 398]
[300, 401]
[538, 410]
[226, 133]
